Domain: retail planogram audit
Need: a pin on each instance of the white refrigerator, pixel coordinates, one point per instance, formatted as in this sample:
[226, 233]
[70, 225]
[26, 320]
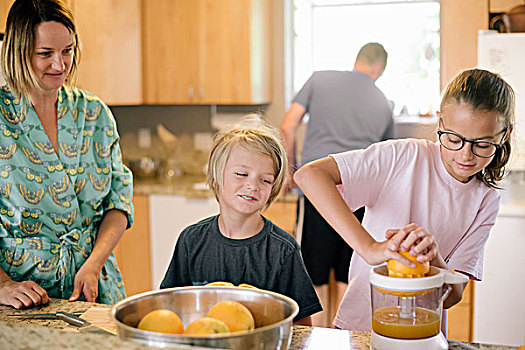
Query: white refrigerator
[499, 299]
[505, 54]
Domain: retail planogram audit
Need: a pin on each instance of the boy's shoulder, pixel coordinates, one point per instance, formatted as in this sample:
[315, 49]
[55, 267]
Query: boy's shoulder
[198, 227]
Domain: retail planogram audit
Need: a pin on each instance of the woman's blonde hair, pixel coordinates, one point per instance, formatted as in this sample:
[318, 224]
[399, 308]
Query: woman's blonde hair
[254, 134]
[19, 41]
[486, 91]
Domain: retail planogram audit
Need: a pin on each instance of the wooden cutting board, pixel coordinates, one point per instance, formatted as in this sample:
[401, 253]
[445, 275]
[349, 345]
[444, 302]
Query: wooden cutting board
[98, 316]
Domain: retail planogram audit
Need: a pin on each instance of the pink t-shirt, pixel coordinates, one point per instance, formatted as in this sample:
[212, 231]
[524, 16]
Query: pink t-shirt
[402, 182]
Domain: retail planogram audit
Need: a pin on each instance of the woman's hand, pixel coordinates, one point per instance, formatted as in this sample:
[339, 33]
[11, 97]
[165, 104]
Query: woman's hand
[110, 230]
[414, 239]
[86, 282]
[22, 294]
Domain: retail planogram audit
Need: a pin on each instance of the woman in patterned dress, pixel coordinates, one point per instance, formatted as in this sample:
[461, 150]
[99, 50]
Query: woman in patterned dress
[65, 196]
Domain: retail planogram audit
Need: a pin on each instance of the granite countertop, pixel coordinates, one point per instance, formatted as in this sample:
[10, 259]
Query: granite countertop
[50, 334]
[189, 186]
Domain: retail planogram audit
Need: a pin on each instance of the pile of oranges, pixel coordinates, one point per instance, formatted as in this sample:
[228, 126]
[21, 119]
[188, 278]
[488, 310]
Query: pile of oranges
[224, 317]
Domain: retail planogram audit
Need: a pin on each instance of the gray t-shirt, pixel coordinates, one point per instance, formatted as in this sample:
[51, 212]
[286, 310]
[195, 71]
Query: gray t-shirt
[347, 112]
[269, 260]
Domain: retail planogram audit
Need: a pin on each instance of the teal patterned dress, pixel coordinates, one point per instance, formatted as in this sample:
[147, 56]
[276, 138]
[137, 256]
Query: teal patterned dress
[51, 205]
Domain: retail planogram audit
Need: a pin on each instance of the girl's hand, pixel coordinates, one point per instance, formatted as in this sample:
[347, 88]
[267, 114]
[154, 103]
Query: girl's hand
[86, 282]
[414, 239]
[22, 294]
[380, 252]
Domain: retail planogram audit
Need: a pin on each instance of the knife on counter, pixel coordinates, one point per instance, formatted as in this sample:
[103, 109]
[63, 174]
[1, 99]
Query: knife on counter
[71, 318]
[50, 316]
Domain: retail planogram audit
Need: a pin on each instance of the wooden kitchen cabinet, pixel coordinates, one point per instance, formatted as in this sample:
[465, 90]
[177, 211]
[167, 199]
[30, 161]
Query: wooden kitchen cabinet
[459, 25]
[206, 51]
[133, 252]
[171, 50]
[283, 215]
[5, 5]
[460, 320]
[236, 51]
[504, 5]
[110, 41]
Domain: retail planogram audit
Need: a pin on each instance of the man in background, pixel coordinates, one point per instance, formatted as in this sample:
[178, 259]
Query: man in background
[346, 112]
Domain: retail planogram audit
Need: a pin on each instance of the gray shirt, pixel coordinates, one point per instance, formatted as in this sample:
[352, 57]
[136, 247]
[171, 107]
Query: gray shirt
[269, 260]
[347, 112]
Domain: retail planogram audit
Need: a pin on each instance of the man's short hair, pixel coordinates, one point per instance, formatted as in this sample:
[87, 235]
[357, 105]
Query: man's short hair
[372, 53]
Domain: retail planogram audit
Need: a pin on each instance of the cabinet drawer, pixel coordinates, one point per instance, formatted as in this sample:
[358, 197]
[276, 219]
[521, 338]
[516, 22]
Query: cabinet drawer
[283, 215]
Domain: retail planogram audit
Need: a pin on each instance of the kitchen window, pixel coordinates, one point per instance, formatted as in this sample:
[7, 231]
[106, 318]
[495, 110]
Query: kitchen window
[329, 33]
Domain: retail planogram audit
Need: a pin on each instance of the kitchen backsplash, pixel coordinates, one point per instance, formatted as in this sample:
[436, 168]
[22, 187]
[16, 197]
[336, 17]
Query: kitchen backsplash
[184, 157]
[191, 124]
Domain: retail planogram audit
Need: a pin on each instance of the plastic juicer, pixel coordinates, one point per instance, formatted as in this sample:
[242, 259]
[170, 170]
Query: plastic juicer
[406, 312]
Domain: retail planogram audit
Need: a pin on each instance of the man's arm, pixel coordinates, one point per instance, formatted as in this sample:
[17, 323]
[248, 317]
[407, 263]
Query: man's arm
[288, 127]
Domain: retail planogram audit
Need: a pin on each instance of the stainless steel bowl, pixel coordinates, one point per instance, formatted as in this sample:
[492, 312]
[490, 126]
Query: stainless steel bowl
[273, 314]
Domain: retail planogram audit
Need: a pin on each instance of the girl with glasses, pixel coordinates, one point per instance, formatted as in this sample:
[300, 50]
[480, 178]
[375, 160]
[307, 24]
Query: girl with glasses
[437, 201]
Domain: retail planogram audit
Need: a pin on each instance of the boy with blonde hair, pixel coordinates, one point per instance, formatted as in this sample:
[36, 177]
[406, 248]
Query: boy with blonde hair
[246, 170]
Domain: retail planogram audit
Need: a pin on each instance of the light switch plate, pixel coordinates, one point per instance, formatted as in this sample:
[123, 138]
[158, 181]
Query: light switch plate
[144, 138]
[202, 141]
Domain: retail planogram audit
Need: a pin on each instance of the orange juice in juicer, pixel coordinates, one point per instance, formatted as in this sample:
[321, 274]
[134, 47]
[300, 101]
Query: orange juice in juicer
[407, 304]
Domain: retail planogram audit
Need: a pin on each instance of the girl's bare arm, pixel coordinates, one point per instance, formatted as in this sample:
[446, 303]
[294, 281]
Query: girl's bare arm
[318, 180]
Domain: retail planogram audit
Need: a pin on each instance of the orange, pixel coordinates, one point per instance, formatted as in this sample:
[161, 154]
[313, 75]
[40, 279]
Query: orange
[236, 316]
[163, 321]
[245, 285]
[205, 326]
[396, 269]
[220, 284]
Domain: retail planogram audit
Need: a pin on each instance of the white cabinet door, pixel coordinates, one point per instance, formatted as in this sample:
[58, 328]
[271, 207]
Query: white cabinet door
[169, 215]
[499, 300]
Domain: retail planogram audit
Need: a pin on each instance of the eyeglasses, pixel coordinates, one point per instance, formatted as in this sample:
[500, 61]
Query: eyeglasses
[481, 148]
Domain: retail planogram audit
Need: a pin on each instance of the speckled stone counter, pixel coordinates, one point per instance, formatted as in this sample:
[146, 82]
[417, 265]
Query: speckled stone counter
[48, 334]
[54, 306]
[189, 186]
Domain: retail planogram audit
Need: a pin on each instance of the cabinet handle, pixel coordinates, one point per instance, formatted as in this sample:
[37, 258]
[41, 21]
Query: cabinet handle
[201, 92]
[190, 92]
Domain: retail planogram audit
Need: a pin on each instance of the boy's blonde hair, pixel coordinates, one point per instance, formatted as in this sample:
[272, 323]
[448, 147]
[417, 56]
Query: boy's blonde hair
[486, 91]
[253, 134]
